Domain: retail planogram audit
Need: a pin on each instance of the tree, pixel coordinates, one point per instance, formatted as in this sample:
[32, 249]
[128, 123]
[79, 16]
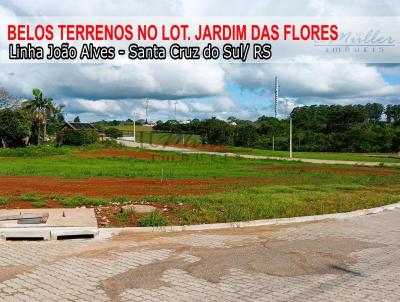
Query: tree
[56, 120]
[113, 132]
[77, 137]
[8, 101]
[14, 127]
[41, 109]
[217, 132]
[77, 119]
[374, 112]
[245, 135]
[392, 113]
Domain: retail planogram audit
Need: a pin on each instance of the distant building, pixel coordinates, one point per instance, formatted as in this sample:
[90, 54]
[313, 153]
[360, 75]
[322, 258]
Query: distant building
[79, 126]
[82, 126]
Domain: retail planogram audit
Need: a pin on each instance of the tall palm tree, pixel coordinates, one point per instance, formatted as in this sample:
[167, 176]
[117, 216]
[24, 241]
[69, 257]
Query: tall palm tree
[41, 109]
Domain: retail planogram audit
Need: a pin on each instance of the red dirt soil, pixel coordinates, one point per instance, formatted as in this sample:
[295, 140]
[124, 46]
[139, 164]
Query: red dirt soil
[120, 153]
[343, 171]
[111, 187]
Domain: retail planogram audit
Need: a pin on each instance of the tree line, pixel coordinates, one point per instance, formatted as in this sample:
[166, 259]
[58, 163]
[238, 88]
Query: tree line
[320, 128]
[28, 121]
[352, 128]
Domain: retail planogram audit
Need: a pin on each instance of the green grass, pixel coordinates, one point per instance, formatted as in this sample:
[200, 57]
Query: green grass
[365, 157]
[129, 128]
[285, 192]
[160, 138]
[30, 197]
[265, 202]
[181, 167]
[39, 204]
[146, 134]
[123, 217]
[3, 201]
[50, 150]
[154, 219]
[82, 200]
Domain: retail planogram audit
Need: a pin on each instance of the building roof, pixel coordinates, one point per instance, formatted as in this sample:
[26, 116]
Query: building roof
[81, 126]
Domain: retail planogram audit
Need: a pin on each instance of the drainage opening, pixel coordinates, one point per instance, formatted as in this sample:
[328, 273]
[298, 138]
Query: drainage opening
[24, 238]
[79, 236]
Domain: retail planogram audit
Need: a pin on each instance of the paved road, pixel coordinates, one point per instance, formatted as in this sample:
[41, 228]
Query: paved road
[304, 160]
[350, 260]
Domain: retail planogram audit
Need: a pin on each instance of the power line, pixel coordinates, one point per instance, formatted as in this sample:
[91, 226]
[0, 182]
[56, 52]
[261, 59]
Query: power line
[175, 109]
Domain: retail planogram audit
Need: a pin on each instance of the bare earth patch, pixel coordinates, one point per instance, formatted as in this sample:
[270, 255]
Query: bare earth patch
[120, 154]
[112, 186]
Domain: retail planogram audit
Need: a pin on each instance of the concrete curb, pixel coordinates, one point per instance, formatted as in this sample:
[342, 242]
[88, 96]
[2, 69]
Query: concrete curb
[108, 232]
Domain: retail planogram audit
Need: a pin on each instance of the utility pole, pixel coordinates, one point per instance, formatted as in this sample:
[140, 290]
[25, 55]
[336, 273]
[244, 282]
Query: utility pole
[147, 111]
[134, 127]
[276, 96]
[175, 109]
[276, 108]
[273, 143]
[291, 139]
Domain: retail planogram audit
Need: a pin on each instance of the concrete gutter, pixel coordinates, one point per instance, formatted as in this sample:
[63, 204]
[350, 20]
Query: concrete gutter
[48, 233]
[108, 232]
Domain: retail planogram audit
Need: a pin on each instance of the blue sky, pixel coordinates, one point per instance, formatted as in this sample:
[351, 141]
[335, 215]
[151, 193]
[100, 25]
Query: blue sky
[200, 90]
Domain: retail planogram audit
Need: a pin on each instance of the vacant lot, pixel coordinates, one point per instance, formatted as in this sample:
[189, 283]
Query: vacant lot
[367, 157]
[185, 189]
[145, 134]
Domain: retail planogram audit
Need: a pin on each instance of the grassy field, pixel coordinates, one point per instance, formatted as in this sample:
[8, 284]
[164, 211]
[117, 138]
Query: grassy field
[129, 128]
[368, 157]
[193, 188]
[146, 134]
[161, 138]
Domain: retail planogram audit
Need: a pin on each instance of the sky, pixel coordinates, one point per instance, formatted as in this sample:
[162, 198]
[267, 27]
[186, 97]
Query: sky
[200, 90]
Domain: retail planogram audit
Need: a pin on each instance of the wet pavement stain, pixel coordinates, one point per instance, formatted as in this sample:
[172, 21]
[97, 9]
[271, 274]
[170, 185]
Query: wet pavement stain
[272, 257]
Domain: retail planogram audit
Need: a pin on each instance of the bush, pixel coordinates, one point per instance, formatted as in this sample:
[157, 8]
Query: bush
[14, 127]
[108, 143]
[3, 201]
[154, 219]
[77, 138]
[113, 132]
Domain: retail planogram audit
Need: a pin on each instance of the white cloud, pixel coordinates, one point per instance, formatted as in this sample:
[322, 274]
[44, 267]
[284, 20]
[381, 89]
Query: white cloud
[329, 80]
[201, 90]
[161, 81]
[91, 110]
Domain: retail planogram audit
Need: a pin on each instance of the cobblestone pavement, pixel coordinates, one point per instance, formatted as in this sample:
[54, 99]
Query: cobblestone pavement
[350, 260]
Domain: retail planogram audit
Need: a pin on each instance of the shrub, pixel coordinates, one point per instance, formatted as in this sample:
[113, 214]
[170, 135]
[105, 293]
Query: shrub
[14, 127]
[82, 200]
[38, 204]
[108, 143]
[154, 219]
[77, 138]
[30, 197]
[3, 201]
[113, 132]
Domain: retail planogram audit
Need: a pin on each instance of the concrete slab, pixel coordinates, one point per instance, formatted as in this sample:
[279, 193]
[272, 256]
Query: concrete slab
[76, 217]
[141, 209]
